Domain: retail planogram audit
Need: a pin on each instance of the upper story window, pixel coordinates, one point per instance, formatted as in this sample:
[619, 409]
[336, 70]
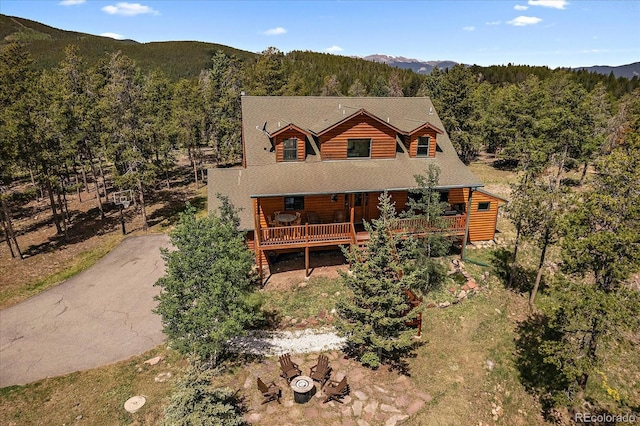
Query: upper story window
[358, 148]
[423, 146]
[290, 149]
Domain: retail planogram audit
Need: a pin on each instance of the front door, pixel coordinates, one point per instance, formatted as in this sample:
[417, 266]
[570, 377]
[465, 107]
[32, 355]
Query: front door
[358, 202]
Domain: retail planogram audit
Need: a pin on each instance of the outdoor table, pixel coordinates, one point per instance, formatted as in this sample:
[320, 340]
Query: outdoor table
[303, 389]
[286, 218]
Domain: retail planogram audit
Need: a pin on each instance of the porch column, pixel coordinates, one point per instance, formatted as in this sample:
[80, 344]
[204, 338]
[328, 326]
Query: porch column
[306, 250]
[466, 226]
[256, 236]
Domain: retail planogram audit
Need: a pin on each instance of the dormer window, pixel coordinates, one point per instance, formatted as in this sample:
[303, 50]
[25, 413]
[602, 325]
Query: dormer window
[290, 149]
[358, 148]
[424, 143]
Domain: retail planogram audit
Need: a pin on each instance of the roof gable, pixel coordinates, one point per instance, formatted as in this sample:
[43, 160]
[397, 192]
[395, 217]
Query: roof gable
[359, 113]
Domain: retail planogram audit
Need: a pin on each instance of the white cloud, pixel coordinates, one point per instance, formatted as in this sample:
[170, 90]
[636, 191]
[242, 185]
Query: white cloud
[469, 28]
[493, 23]
[129, 9]
[555, 4]
[520, 7]
[275, 31]
[333, 49]
[113, 35]
[521, 21]
[71, 2]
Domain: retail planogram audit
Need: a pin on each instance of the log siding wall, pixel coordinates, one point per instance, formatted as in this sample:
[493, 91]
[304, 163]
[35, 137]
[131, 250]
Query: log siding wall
[482, 226]
[333, 144]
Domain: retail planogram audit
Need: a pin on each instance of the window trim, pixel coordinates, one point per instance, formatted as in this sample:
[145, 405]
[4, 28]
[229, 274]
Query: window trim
[297, 203]
[418, 146]
[285, 149]
[484, 206]
[359, 139]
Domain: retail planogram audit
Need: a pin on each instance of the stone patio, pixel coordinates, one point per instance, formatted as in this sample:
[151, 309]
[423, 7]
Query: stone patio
[377, 397]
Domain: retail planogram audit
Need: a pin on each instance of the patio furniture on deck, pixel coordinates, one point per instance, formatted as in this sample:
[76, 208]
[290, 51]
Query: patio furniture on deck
[285, 218]
[289, 368]
[339, 216]
[270, 392]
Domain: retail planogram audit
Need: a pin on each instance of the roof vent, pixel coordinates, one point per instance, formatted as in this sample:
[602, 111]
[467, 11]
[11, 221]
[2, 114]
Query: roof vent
[339, 106]
[387, 119]
[430, 110]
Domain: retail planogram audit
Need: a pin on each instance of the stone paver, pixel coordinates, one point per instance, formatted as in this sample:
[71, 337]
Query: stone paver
[377, 397]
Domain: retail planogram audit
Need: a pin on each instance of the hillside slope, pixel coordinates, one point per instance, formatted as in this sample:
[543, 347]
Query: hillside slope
[178, 59]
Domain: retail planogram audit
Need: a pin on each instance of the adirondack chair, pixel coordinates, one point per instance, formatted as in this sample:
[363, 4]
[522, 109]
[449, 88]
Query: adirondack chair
[335, 391]
[321, 372]
[270, 392]
[289, 368]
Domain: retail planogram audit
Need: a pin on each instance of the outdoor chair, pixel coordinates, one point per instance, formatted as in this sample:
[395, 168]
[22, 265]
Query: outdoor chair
[335, 391]
[298, 219]
[338, 216]
[321, 372]
[289, 368]
[270, 392]
[273, 222]
[313, 218]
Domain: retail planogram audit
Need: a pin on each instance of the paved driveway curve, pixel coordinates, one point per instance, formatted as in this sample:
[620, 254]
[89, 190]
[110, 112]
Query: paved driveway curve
[98, 317]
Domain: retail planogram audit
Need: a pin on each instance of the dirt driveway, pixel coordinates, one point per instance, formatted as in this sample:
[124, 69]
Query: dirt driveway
[100, 316]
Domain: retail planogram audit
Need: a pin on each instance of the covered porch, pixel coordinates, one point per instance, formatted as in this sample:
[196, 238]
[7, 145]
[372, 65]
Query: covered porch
[341, 217]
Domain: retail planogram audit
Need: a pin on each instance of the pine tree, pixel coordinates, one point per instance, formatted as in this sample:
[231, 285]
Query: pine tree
[372, 319]
[423, 271]
[196, 402]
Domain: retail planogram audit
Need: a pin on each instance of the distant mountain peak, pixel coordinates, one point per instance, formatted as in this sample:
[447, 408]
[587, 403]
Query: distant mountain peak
[417, 65]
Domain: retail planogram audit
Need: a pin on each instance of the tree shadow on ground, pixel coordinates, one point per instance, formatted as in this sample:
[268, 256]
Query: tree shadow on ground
[173, 204]
[392, 361]
[523, 278]
[83, 226]
[538, 376]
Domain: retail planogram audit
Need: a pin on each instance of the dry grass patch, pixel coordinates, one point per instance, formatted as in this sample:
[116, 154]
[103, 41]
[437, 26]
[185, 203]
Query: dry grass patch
[95, 396]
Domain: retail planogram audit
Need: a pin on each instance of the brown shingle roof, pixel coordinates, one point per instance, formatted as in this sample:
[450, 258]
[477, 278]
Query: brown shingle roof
[264, 177]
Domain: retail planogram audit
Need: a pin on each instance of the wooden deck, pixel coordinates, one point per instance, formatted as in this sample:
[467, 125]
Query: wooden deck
[333, 234]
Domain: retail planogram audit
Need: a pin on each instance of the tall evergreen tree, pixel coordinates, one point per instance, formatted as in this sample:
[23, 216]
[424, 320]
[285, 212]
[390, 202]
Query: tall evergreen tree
[372, 319]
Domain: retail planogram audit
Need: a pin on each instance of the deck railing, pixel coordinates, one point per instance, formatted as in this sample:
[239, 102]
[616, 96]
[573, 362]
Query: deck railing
[448, 224]
[313, 234]
[344, 232]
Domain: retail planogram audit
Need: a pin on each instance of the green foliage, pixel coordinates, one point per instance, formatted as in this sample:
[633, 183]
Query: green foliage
[585, 320]
[207, 292]
[373, 319]
[195, 402]
[423, 271]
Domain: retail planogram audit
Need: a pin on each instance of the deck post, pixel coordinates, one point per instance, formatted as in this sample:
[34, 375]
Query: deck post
[466, 227]
[256, 236]
[306, 250]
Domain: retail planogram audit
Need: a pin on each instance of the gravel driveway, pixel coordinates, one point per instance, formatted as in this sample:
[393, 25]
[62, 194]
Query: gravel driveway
[98, 317]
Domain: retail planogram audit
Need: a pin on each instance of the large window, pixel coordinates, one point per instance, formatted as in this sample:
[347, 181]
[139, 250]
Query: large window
[294, 203]
[290, 149]
[358, 148]
[423, 146]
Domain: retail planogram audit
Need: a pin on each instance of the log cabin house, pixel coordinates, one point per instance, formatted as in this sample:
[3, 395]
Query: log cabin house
[325, 160]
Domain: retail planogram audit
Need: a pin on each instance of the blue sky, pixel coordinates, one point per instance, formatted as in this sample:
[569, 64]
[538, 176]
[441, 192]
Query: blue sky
[555, 33]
